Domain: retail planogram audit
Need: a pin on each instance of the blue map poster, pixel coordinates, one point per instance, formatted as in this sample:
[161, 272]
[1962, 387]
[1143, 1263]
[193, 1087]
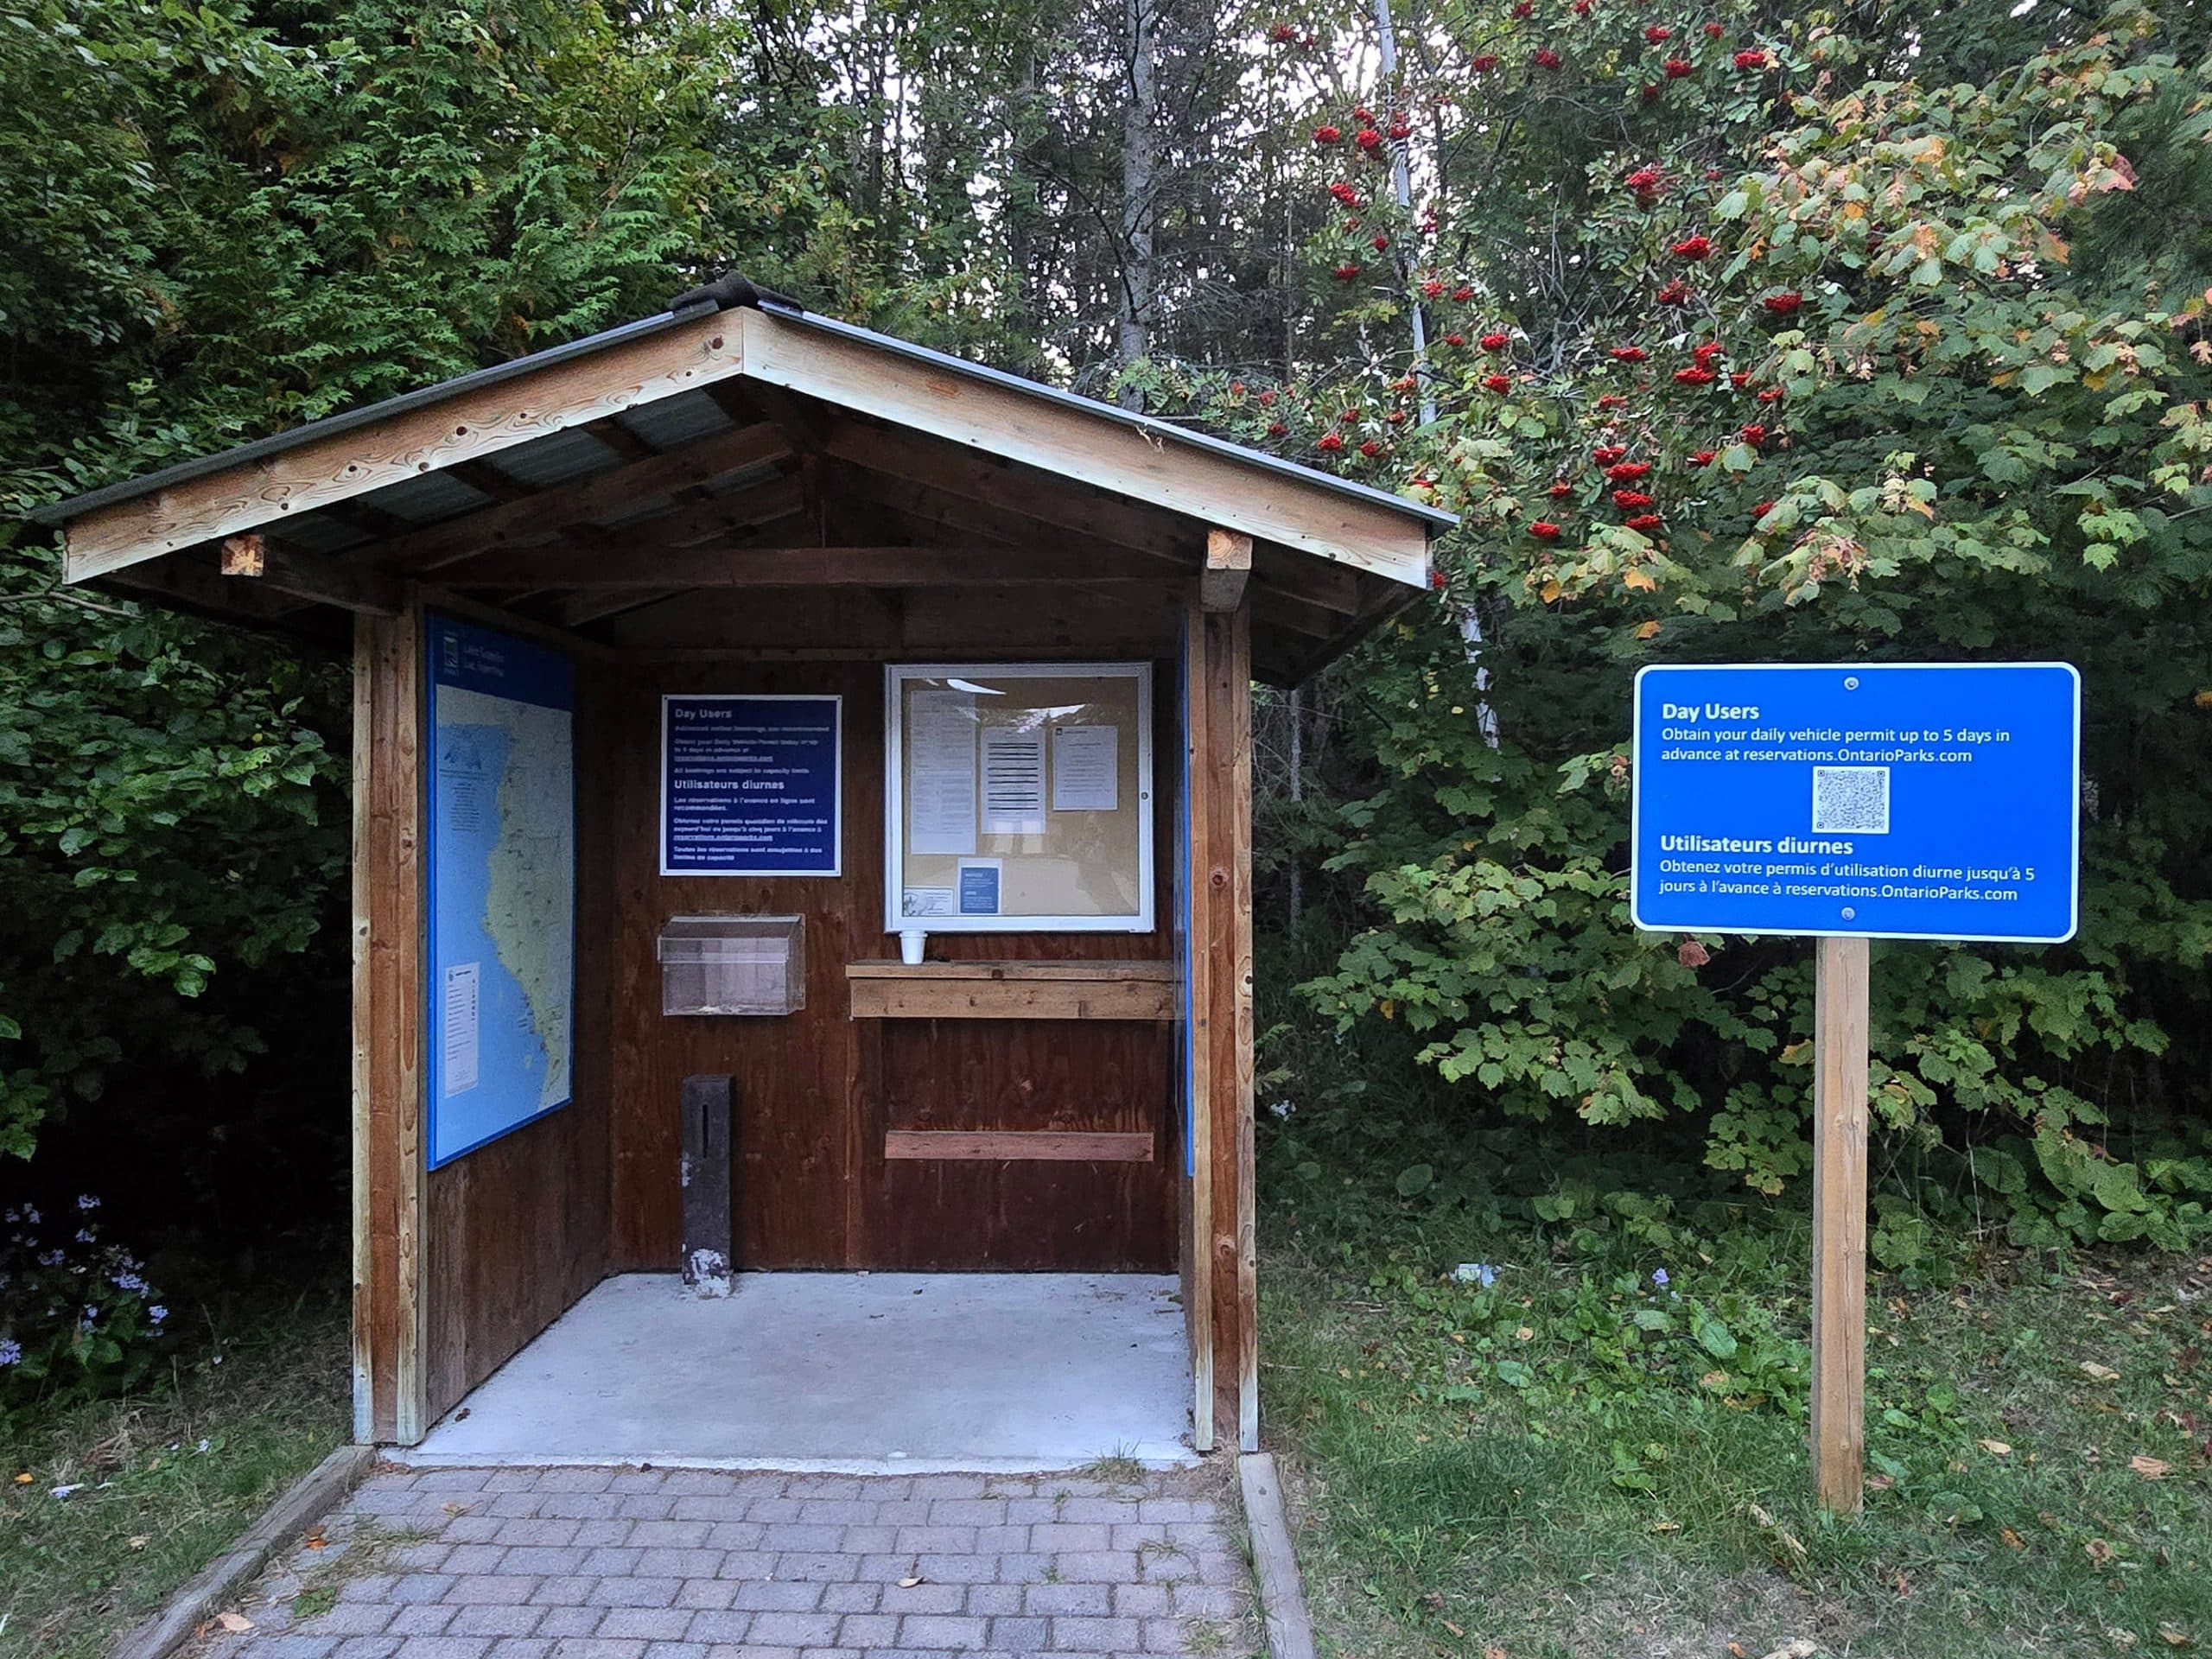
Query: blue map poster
[502, 806]
[750, 785]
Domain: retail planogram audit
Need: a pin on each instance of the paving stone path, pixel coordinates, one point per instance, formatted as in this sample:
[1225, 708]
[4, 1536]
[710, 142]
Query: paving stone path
[685, 1564]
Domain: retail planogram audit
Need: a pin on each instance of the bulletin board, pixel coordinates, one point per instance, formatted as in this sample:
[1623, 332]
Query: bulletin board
[1017, 797]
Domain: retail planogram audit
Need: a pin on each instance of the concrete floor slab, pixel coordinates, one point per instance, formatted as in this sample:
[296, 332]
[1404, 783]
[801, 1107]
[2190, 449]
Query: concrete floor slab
[849, 1373]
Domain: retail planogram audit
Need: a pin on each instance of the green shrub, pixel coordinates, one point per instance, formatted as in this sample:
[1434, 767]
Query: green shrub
[77, 1317]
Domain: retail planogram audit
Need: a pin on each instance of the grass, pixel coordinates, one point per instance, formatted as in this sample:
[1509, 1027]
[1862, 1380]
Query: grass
[165, 1480]
[1577, 1462]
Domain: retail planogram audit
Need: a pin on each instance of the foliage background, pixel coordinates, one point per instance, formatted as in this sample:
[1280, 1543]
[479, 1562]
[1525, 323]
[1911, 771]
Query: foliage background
[1958, 259]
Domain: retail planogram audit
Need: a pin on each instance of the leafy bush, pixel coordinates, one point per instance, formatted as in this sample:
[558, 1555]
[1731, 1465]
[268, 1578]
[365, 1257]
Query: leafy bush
[1818, 348]
[77, 1317]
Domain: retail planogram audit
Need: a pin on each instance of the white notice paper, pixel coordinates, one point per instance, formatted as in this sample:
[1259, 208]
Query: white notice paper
[940, 742]
[461, 1046]
[1085, 776]
[925, 902]
[1013, 781]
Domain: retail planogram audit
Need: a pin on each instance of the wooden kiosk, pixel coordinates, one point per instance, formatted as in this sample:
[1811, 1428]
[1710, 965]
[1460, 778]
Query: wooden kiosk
[1045, 611]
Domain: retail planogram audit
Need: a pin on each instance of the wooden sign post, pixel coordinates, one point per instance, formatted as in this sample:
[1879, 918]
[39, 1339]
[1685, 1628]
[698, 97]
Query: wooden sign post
[1844, 802]
[1839, 1003]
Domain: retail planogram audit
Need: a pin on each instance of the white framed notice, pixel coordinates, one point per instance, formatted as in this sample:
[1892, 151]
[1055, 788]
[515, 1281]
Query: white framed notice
[1017, 797]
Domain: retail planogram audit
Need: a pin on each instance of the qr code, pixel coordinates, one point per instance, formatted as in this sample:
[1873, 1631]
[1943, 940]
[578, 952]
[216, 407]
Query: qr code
[1854, 799]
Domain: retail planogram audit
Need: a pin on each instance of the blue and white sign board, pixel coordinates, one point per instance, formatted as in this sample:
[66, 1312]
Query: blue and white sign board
[750, 787]
[502, 890]
[1886, 801]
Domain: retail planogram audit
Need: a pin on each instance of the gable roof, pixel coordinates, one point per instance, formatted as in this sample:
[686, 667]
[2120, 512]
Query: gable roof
[729, 292]
[731, 441]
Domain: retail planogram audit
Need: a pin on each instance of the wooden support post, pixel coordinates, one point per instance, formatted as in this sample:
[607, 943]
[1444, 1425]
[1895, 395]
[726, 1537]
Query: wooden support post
[1222, 790]
[389, 1387]
[1839, 1000]
[1229, 569]
[1198, 900]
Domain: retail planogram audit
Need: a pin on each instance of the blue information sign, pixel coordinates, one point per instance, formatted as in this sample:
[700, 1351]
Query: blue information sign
[1887, 801]
[749, 786]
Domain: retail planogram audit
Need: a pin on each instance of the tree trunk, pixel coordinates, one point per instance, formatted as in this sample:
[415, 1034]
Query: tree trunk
[1140, 23]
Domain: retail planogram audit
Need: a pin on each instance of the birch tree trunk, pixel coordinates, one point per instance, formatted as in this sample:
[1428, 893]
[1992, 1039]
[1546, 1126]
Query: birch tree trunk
[1140, 141]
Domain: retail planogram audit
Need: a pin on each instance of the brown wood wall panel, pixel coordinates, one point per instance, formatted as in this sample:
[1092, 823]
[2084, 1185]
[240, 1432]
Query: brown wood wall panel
[811, 1188]
[517, 1231]
[1024, 1075]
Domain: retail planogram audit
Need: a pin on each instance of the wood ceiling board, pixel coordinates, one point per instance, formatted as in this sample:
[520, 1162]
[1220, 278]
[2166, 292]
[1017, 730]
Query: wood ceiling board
[471, 424]
[1002, 421]
[945, 514]
[1042, 499]
[532, 518]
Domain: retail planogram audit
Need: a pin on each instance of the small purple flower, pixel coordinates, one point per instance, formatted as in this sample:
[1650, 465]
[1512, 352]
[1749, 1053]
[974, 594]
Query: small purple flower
[86, 1236]
[1659, 1277]
[11, 1351]
[31, 1215]
[86, 1201]
[91, 1313]
[157, 1313]
[49, 1258]
[128, 1282]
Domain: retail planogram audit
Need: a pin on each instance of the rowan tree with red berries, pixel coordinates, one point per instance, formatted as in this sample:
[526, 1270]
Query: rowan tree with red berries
[1790, 342]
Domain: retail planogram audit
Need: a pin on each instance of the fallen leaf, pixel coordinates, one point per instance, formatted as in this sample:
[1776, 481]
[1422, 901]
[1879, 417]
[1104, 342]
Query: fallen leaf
[454, 1509]
[1901, 1584]
[2149, 1467]
[1524, 1334]
[1644, 631]
[1666, 1526]
[908, 1583]
[2098, 1551]
[1995, 1448]
[1796, 1647]
[24, 1479]
[2174, 1637]
[137, 1541]
[236, 1623]
[2097, 1373]
[1450, 1627]
[1736, 1648]
[1880, 1482]
[2012, 1538]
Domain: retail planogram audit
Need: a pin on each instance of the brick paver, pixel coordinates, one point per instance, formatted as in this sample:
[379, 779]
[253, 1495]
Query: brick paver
[688, 1564]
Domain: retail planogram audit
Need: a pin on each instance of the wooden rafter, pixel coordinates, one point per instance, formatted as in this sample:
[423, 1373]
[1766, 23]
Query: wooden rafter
[708, 565]
[1040, 498]
[534, 517]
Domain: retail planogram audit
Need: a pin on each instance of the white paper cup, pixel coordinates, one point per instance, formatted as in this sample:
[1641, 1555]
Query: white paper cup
[911, 941]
